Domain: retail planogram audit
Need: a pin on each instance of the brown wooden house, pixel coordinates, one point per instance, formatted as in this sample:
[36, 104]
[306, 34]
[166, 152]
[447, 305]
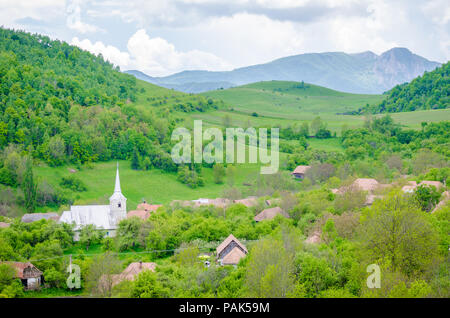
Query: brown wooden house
[30, 276]
[230, 251]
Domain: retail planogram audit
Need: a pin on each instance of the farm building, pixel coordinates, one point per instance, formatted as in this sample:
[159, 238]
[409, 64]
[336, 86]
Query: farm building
[30, 276]
[248, 202]
[269, 214]
[299, 171]
[4, 225]
[133, 270]
[230, 251]
[144, 210]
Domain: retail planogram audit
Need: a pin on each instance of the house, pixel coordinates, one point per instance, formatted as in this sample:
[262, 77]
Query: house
[144, 210]
[148, 207]
[314, 238]
[104, 217]
[230, 251]
[366, 184]
[218, 202]
[269, 214]
[133, 270]
[30, 276]
[299, 171]
[33, 217]
[436, 184]
[142, 214]
[412, 185]
[248, 202]
[445, 199]
[4, 225]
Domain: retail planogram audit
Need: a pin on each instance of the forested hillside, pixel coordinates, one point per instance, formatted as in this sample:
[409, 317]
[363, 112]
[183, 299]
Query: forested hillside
[60, 104]
[430, 91]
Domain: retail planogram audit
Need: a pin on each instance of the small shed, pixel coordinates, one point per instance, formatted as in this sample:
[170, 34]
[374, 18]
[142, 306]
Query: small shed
[133, 270]
[230, 251]
[30, 276]
[269, 214]
[299, 171]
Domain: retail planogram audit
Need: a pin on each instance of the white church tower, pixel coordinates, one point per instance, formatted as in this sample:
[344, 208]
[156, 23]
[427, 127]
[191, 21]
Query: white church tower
[118, 202]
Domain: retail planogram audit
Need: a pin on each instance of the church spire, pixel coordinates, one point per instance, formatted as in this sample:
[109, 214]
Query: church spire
[117, 187]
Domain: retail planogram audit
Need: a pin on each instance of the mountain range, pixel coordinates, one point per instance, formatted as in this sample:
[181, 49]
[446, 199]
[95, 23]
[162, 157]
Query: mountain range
[365, 73]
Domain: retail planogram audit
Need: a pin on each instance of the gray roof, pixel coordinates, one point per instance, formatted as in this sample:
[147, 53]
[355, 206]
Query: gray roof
[98, 215]
[32, 217]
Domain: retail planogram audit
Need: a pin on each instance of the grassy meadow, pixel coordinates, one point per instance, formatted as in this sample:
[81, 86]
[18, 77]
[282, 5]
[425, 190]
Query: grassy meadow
[280, 103]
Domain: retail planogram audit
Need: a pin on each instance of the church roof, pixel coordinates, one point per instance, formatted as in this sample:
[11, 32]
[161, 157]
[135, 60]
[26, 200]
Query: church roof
[98, 215]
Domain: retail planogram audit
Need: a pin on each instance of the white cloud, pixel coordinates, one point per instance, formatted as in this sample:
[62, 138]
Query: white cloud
[109, 52]
[154, 56]
[73, 19]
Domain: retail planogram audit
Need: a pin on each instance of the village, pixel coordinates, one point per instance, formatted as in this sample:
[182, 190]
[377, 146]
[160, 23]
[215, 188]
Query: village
[229, 252]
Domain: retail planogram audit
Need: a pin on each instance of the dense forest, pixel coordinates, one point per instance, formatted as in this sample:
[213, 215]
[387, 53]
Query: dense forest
[429, 91]
[60, 104]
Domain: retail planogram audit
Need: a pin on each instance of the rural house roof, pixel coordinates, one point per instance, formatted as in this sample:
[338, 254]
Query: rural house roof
[446, 197]
[313, 238]
[227, 242]
[130, 272]
[366, 184]
[436, 184]
[269, 214]
[301, 169]
[371, 198]
[248, 202]
[233, 257]
[25, 270]
[148, 207]
[3, 224]
[142, 214]
[33, 217]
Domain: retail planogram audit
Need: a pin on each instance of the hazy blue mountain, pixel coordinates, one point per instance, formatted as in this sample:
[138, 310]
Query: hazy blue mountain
[364, 72]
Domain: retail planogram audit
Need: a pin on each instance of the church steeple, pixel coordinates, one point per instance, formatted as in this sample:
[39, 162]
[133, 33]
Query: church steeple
[117, 187]
[118, 202]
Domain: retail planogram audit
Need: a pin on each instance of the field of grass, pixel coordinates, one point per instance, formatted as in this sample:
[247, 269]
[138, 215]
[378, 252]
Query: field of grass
[280, 103]
[155, 186]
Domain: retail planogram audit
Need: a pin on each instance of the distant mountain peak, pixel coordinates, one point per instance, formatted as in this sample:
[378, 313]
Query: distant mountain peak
[365, 72]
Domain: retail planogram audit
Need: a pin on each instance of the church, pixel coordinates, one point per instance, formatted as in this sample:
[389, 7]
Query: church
[105, 217]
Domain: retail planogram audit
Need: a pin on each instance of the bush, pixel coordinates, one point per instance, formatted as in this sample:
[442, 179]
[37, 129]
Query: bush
[73, 184]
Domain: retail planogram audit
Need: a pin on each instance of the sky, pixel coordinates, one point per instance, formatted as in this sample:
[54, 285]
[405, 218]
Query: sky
[162, 37]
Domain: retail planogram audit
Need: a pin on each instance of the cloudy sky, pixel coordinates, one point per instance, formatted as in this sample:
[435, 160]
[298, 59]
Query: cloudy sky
[163, 37]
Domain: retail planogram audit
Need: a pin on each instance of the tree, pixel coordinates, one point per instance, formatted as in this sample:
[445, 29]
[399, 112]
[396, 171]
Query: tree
[101, 273]
[270, 270]
[316, 124]
[397, 231]
[128, 233]
[89, 235]
[218, 173]
[29, 187]
[427, 197]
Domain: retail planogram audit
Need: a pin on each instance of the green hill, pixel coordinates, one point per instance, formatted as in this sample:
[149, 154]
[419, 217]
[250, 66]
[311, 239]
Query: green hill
[281, 103]
[430, 91]
[61, 104]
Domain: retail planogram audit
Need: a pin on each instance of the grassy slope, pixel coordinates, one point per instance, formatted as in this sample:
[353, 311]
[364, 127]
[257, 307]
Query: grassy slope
[278, 103]
[159, 187]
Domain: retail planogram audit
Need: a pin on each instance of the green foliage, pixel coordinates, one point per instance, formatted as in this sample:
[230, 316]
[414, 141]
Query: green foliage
[73, 184]
[427, 197]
